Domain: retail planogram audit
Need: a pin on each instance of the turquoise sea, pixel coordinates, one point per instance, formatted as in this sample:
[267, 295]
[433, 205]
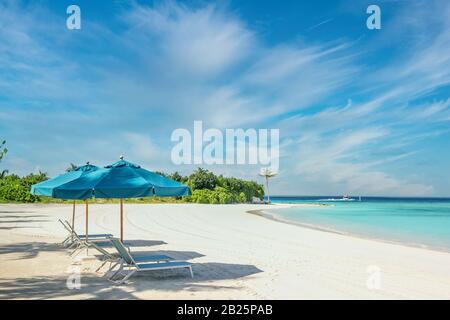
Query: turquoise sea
[423, 222]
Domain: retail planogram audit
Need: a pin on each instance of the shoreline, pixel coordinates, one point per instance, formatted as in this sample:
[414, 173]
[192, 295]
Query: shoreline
[258, 212]
[277, 218]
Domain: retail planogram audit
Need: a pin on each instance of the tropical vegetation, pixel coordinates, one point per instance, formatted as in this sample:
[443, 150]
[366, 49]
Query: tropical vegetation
[206, 187]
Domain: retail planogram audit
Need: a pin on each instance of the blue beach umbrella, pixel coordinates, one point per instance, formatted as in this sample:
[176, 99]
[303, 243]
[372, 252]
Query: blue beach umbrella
[128, 180]
[120, 180]
[54, 188]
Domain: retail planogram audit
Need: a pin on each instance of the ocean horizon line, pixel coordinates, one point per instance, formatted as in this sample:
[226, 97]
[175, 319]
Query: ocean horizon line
[362, 196]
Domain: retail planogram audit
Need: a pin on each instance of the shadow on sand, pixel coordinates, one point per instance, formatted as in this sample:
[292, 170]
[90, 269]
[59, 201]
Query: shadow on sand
[94, 286]
[19, 222]
[15, 211]
[30, 250]
[55, 287]
[21, 216]
[97, 287]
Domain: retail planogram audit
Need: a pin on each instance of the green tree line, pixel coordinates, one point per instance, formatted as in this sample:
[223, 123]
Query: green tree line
[205, 185]
[210, 188]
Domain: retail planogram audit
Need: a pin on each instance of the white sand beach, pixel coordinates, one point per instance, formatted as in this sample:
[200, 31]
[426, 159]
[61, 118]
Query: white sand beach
[236, 255]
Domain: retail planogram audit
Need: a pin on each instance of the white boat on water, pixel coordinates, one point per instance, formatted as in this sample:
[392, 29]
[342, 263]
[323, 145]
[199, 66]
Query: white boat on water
[344, 198]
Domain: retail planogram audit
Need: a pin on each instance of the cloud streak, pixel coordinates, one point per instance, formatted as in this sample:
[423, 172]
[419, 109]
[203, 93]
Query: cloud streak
[121, 86]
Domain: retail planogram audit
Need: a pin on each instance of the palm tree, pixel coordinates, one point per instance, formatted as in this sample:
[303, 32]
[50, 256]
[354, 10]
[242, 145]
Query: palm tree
[4, 173]
[3, 152]
[267, 173]
[71, 167]
[3, 149]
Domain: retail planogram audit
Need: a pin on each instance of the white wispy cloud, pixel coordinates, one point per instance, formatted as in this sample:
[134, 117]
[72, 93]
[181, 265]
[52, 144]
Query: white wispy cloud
[172, 64]
[204, 41]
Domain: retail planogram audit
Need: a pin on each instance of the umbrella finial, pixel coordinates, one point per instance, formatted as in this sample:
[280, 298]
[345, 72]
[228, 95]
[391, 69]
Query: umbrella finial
[88, 163]
[121, 157]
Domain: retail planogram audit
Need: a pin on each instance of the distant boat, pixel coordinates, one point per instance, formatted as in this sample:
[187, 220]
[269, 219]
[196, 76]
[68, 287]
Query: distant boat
[346, 197]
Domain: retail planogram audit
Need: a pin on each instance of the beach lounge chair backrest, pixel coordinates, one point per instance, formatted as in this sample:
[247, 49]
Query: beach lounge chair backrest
[73, 233]
[91, 236]
[100, 249]
[69, 226]
[122, 250]
[66, 226]
[76, 236]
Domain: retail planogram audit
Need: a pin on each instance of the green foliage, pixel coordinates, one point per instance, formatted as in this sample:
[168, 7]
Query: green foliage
[217, 196]
[162, 174]
[206, 188]
[209, 188]
[250, 189]
[201, 196]
[177, 177]
[202, 179]
[17, 189]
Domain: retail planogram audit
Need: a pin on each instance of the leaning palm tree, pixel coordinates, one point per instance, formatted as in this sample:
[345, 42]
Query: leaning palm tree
[3, 149]
[4, 173]
[267, 173]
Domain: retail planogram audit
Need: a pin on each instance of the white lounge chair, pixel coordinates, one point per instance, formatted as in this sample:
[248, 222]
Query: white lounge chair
[70, 240]
[114, 258]
[130, 264]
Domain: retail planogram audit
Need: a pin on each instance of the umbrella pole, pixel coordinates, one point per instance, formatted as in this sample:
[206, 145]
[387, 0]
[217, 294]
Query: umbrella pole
[121, 220]
[73, 218]
[87, 219]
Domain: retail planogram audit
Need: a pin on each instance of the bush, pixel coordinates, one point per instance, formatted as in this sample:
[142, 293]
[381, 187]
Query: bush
[249, 189]
[202, 179]
[16, 189]
[201, 196]
[219, 195]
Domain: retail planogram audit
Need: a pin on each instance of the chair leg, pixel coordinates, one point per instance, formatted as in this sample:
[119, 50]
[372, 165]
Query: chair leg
[118, 270]
[77, 250]
[101, 266]
[129, 274]
[72, 244]
[63, 243]
[111, 268]
[74, 250]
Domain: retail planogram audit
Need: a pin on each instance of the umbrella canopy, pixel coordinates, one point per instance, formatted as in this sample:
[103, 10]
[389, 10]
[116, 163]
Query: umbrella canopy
[121, 179]
[52, 187]
[127, 180]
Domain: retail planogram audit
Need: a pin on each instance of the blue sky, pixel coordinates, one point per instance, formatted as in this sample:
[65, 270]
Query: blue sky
[359, 111]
